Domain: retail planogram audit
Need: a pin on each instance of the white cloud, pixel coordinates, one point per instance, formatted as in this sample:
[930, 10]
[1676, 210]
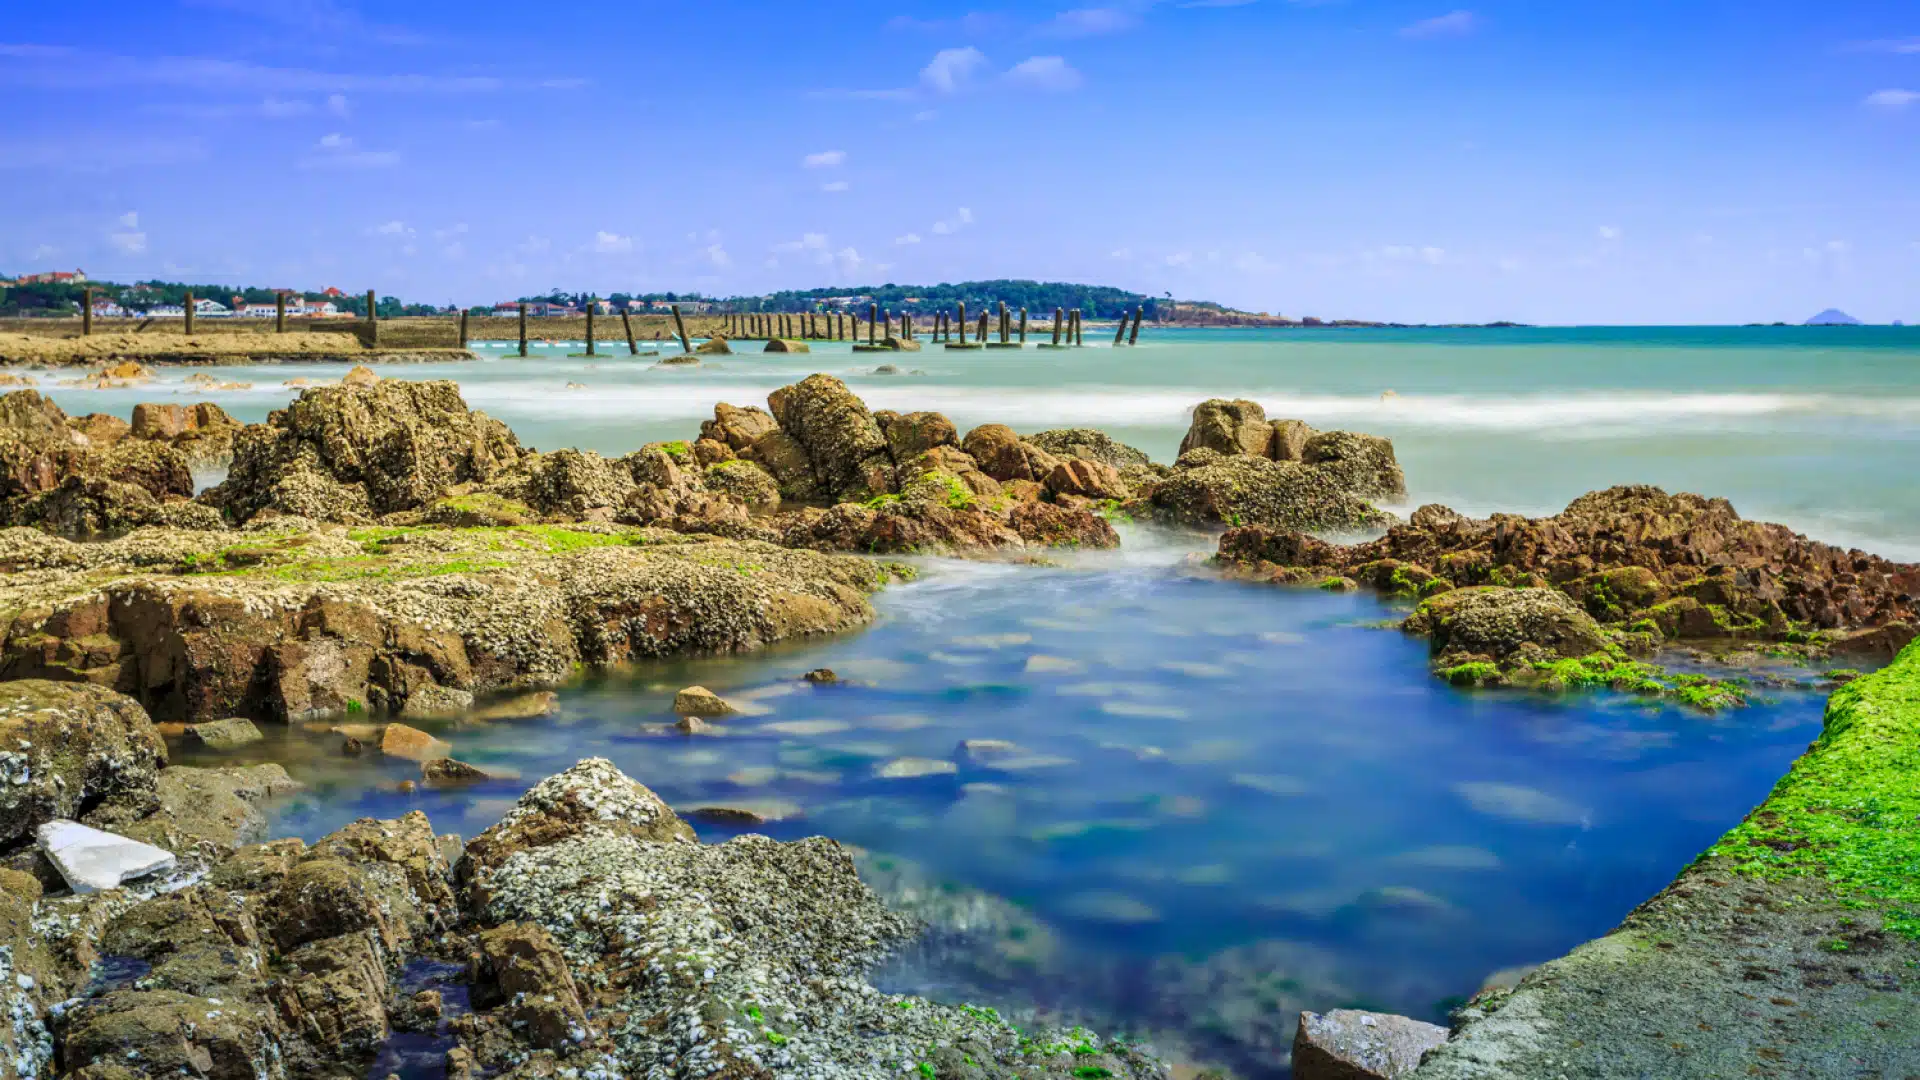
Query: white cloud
[951, 70]
[1090, 22]
[337, 104]
[1180, 258]
[835, 186]
[129, 243]
[1045, 73]
[718, 256]
[825, 159]
[607, 243]
[450, 231]
[335, 141]
[131, 219]
[534, 245]
[812, 241]
[391, 228]
[1120, 254]
[454, 251]
[48, 251]
[337, 151]
[1908, 46]
[1609, 233]
[960, 219]
[972, 24]
[1452, 24]
[925, 115]
[1892, 99]
[910, 238]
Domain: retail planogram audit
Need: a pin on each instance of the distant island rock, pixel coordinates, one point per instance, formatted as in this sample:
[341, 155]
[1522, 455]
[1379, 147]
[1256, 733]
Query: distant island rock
[1833, 317]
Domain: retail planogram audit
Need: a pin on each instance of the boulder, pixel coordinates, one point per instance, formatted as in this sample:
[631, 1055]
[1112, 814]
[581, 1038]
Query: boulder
[91, 860]
[947, 459]
[201, 815]
[1087, 478]
[1206, 488]
[228, 734]
[1363, 464]
[837, 432]
[203, 431]
[360, 375]
[1089, 445]
[746, 481]
[521, 967]
[736, 426]
[787, 462]
[1229, 427]
[353, 452]
[59, 479]
[571, 484]
[1496, 622]
[1004, 456]
[782, 345]
[700, 701]
[168, 1034]
[911, 434]
[1348, 1044]
[717, 346]
[65, 747]
[1047, 525]
[399, 740]
[1290, 440]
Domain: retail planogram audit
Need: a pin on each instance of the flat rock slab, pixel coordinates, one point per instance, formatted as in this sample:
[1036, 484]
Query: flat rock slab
[225, 734]
[1348, 1044]
[93, 861]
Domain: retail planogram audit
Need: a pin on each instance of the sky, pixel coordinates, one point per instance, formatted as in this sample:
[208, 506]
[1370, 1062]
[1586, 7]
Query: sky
[1552, 161]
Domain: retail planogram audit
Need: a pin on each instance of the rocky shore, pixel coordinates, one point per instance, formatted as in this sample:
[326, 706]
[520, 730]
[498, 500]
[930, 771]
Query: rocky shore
[585, 934]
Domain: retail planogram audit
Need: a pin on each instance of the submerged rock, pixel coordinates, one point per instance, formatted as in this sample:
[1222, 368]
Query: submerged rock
[700, 701]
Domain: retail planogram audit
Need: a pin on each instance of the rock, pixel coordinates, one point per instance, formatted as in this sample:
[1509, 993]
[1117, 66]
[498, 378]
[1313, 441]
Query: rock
[1087, 478]
[518, 707]
[747, 482]
[1047, 525]
[225, 734]
[787, 462]
[1089, 445]
[1229, 427]
[591, 799]
[93, 861]
[351, 453]
[700, 701]
[910, 768]
[360, 375]
[446, 772]
[1362, 464]
[692, 725]
[821, 677]
[1497, 622]
[433, 700]
[840, 438]
[1290, 440]
[709, 452]
[1004, 456]
[201, 815]
[946, 459]
[334, 998]
[55, 478]
[911, 434]
[737, 427]
[781, 345]
[1248, 490]
[1347, 1044]
[717, 346]
[399, 740]
[203, 432]
[164, 1033]
[65, 747]
[523, 968]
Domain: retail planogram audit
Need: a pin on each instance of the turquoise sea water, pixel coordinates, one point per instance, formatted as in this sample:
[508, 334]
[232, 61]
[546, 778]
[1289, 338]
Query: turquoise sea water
[1225, 802]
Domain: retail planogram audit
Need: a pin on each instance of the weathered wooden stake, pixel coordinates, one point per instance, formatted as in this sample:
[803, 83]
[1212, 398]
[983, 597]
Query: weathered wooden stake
[1006, 323]
[626, 323]
[591, 305]
[1057, 316]
[980, 335]
[1138, 313]
[681, 328]
[189, 325]
[960, 320]
[463, 323]
[873, 320]
[86, 312]
[373, 318]
[523, 329]
[279, 313]
[1120, 332]
[1023, 326]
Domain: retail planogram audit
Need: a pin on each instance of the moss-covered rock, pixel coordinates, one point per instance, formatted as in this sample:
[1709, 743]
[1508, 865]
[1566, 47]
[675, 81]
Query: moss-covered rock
[1495, 623]
[1207, 488]
[68, 746]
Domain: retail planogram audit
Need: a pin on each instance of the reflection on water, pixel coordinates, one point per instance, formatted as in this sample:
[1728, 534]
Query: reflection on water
[1154, 800]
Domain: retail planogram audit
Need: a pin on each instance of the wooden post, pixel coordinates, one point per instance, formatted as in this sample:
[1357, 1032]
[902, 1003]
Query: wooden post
[463, 327]
[1139, 312]
[681, 328]
[1057, 316]
[1079, 330]
[373, 318]
[980, 335]
[280, 313]
[86, 312]
[626, 323]
[591, 304]
[189, 326]
[961, 320]
[1120, 333]
[873, 319]
[523, 329]
[1023, 326]
[906, 325]
[1006, 324]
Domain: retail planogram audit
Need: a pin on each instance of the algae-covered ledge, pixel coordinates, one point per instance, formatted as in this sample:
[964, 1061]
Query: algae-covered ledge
[1791, 948]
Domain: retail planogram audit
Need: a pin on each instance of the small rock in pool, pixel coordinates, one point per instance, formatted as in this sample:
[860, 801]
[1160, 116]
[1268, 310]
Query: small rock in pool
[402, 741]
[908, 768]
[434, 700]
[224, 734]
[821, 677]
[443, 772]
[757, 812]
[521, 707]
[700, 701]
[352, 747]
[1348, 1044]
[693, 725]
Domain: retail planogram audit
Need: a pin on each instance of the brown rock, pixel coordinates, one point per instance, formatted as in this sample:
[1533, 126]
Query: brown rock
[361, 375]
[65, 747]
[912, 434]
[700, 701]
[1290, 440]
[1004, 456]
[1229, 427]
[522, 967]
[737, 427]
[1091, 479]
[402, 741]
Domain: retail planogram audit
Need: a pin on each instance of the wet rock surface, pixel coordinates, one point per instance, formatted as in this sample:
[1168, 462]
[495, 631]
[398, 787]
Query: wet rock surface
[1349, 1044]
[89, 476]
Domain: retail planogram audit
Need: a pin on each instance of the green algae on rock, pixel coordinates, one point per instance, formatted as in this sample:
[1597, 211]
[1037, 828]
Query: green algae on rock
[1788, 949]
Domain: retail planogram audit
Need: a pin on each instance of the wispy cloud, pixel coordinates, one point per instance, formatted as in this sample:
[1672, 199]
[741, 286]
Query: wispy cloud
[951, 70]
[961, 218]
[55, 67]
[1452, 24]
[718, 256]
[321, 17]
[1903, 46]
[390, 228]
[825, 159]
[1609, 233]
[1892, 99]
[835, 186]
[128, 239]
[337, 151]
[611, 243]
[807, 242]
[100, 153]
[271, 108]
[1090, 22]
[910, 238]
[1050, 73]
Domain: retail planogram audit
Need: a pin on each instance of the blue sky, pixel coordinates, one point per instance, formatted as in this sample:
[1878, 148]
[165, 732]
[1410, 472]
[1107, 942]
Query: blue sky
[1564, 161]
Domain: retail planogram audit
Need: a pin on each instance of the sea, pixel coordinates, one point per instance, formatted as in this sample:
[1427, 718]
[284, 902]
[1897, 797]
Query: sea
[1161, 803]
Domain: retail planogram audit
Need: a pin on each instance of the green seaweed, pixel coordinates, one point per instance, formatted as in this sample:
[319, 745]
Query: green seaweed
[1848, 812]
